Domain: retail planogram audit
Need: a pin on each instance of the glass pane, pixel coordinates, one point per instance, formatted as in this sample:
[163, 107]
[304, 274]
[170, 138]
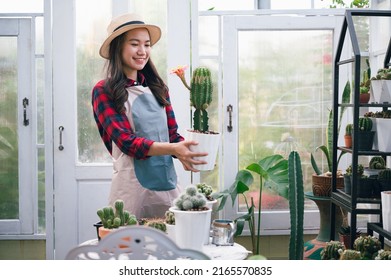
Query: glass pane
[284, 97]
[22, 6]
[9, 199]
[225, 5]
[91, 32]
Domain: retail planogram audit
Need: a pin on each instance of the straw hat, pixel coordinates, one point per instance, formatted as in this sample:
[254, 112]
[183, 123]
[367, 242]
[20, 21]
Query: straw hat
[124, 23]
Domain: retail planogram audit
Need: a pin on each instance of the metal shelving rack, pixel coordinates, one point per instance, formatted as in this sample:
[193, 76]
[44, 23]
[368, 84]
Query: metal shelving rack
[339, 197]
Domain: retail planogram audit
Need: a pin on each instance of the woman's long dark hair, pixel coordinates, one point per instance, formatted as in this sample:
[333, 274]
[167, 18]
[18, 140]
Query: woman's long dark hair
[116, 80]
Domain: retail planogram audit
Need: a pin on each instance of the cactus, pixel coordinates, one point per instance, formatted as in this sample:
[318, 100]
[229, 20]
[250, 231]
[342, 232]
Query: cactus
[350, 254]
[384, 174]
[157, 223]
[383, 255]
[111, 218]
[368, 246]
[201, 89]
[205, 189]
[332, 250]
[296, 206]
[349, 129]
[365, 124]
[190, 200]
[377, 162]
[169, 217]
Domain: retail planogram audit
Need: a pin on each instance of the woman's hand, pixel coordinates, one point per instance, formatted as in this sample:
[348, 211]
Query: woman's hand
[186, 156]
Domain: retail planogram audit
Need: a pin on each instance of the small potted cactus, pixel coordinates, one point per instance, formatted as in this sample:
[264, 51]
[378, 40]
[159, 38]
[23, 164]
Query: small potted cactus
[113, 218]
[332, 250]
[192, 218]
[169, 220]
[368, 246]
[376, 164]
[365, 134]
[201, 90]
[381, 86]
[350, 254]
[348, 135]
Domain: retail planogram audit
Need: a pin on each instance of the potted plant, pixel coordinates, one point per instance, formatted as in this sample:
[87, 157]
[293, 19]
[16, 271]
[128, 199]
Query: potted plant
[376, 164]
[207, 191]
[365, 134]
[382, 125]
[284, 178]
[113, 218]
[201, 89]
[332, 250]
[365, 85]
[345, 235]
[321, 180]
[169, 219]
[348, 135]
[368, 246]
[348, 180]
[350, 254]
[192, 218]
[381, 86]
[383, 255]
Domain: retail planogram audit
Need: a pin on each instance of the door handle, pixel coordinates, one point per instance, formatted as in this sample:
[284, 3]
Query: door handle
[25, 104]
[61, 129]
[229, 110]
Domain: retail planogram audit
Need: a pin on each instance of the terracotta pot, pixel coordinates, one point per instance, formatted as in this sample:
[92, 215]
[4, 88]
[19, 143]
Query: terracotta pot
[348, 141]
[321, 185]
[103, 232]
[364, 98]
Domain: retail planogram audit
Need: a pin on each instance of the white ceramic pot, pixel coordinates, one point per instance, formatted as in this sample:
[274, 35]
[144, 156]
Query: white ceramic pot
[383, 131]
[386, 209]
[206, 143]
[381, 91]
[190, 228]
[170, 230]
[210, 205]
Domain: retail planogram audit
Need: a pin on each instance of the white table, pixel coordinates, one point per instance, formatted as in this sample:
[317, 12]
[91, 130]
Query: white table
[234, 252]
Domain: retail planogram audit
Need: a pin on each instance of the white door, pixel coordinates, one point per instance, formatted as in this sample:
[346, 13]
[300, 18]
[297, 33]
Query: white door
[17, 128]
[262, 54]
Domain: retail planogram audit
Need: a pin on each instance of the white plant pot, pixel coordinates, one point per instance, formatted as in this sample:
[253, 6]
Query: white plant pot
[383, 132]
[170, 229]
[206, 143]
[210, 205]
[190, 228]
[386, 209]
[381, 91]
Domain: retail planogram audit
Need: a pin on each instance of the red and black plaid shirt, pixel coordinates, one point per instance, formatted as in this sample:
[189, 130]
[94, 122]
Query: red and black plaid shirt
[115, 127]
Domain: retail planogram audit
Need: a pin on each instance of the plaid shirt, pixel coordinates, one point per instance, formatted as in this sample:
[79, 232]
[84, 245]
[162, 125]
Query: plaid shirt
[115, 127]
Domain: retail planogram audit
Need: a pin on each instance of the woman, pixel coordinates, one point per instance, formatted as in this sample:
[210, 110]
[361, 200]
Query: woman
[136, 121]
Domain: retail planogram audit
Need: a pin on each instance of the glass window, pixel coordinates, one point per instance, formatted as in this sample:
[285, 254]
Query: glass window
[225, 5]
[21, 6]
[9, 175]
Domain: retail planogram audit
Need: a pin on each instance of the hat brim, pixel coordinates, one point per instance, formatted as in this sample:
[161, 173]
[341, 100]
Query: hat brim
[153, 30]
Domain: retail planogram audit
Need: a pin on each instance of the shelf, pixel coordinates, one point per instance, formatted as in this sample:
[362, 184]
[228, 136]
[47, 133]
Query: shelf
[352, 203]
[365, 153]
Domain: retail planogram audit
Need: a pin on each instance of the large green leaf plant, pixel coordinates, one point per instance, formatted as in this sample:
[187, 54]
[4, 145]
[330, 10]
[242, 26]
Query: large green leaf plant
[273, 174]
[328, 148]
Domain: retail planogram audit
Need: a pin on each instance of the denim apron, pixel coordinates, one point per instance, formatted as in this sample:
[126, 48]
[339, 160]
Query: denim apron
[147, 187]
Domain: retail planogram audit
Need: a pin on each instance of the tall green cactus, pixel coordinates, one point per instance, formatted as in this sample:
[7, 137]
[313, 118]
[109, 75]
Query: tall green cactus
[296, 206]
[201, 89]
[200, 97]
[111, 218]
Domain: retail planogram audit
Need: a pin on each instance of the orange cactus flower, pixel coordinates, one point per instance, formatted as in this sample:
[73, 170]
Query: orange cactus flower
[180, 72]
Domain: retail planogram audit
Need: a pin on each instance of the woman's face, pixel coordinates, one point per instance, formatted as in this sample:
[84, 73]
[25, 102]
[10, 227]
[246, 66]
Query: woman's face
[136, 50]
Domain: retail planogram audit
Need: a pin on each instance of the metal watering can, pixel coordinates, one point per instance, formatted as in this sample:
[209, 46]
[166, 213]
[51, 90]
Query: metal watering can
[223, 232]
